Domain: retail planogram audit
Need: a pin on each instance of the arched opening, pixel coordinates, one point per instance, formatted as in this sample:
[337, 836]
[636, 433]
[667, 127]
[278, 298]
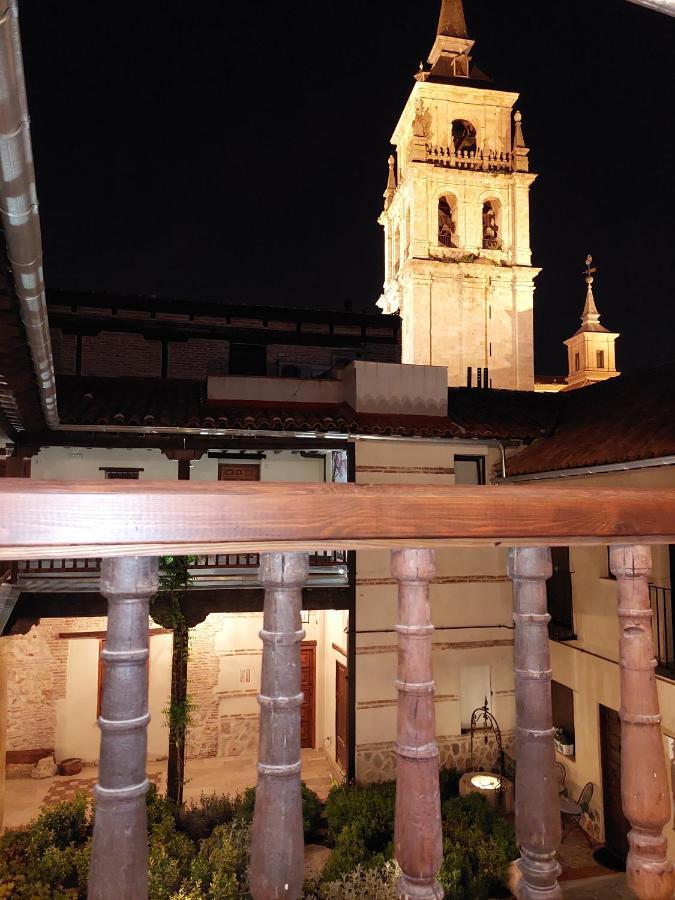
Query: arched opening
[463, 136]
[492, 225]
[407, 233]
[447, 222]
[397, 249]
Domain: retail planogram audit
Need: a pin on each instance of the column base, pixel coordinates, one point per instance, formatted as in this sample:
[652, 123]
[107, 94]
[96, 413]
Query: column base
[409, 888]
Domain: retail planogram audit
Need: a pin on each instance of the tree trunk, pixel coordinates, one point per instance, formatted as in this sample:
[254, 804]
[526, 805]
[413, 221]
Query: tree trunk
[175, 772]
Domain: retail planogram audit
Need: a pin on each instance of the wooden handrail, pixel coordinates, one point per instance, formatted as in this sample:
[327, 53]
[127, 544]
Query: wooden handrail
[78, 519]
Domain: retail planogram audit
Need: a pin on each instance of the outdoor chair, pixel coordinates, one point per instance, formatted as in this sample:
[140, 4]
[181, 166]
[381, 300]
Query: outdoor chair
[572, 811]
[561, 775]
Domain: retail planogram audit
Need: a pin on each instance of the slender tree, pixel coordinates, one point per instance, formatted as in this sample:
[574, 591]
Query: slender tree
[169, 610]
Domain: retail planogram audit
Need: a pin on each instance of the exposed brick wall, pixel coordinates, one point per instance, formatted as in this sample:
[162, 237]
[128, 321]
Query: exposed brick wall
[36, 679]
[203, 669]
[63, 351]
[198, 358]
[111, 353]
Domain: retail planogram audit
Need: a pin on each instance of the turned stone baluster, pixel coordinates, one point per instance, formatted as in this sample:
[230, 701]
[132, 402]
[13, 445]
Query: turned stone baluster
[277, 842]
[537, 807]
[119, 858]
[418, 838]
[644, 783]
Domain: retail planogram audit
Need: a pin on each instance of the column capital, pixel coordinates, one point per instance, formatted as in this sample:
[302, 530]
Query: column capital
[529, 563]
[132, 577]
[413, 565]
[284, 569]
[630, 561]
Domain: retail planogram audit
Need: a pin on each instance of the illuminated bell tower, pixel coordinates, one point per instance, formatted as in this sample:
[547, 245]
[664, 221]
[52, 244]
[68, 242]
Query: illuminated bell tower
[456, 222]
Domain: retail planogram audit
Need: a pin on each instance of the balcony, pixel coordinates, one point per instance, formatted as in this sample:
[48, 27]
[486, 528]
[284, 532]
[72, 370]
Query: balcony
[473, 160]
[127, 525]
[327, 568]
[661, 599]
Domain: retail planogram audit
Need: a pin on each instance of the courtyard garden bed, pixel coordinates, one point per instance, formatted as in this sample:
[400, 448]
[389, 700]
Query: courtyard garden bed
[202, 852]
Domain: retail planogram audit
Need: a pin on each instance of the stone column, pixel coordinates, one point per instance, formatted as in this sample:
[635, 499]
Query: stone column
[119, 858]
[277, 840]
[537, 808]
[644, 782]
[418, 838]
[4, 653]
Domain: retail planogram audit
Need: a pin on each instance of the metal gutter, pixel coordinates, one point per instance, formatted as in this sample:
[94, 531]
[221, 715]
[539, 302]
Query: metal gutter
[662, 6]
[592, 470]
[255, 433]
[19, 209]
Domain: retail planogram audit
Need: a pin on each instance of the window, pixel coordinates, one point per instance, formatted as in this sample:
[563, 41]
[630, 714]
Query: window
[244, 472]
[601, 359]
[463, 136]
[469, 470]
[562, 707]
[447, 223]
[577, 364]
[491, 225]
[559, 597]
[397, 249]
[129, 474]
[248, 359]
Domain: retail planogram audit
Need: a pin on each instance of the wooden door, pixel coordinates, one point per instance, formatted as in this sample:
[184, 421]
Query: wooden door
[341, 716]
[616, 824]
[308, 687]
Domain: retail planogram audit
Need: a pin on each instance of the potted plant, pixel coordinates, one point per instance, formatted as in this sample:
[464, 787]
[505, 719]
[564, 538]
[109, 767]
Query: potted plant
[563, 743]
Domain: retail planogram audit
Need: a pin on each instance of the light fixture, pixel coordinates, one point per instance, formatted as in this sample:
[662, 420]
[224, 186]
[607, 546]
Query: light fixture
[486, 782]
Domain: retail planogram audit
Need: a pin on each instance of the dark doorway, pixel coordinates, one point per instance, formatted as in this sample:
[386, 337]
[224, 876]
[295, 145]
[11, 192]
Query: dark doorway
[308, 687]
[341, 707]
[616, 824]
[559, 596]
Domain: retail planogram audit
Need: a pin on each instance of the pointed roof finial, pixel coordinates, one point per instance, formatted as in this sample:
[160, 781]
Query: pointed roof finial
[451, 22]
[590, 318]
[391, 183]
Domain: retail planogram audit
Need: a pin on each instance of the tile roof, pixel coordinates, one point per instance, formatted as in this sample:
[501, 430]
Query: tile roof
[147, 402]
[625, 419]
[172, 403]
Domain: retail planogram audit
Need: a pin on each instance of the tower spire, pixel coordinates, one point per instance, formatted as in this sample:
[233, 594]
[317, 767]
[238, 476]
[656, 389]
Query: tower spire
[590, 318]
[451, 22]
[591, 351]
[450, 54]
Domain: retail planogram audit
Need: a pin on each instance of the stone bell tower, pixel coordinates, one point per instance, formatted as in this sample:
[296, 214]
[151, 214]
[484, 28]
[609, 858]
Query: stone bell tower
[456, 221]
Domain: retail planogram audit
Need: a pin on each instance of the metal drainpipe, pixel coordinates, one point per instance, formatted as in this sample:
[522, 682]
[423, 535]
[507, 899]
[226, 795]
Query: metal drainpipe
[19, 209]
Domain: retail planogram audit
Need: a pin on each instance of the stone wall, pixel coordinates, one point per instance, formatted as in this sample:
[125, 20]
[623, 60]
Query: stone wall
[377, 762]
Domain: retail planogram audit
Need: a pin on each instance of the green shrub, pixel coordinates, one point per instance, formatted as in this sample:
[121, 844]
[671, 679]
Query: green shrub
[198, 818]
[169, 859]
[449, 783]
[312, 809]
[220, 869]
[359, 884]
[373, 804]
[361, 824]
[50, 857]
[478, 847]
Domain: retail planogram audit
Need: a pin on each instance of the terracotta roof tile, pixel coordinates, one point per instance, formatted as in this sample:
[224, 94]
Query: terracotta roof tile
[628, 418]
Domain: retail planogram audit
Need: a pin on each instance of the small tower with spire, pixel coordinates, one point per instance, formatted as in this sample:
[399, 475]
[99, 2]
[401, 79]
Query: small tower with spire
[591, 351]
[458, 263]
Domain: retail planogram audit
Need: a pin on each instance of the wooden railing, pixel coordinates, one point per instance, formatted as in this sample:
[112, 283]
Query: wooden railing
[129, 524]
[212, 563]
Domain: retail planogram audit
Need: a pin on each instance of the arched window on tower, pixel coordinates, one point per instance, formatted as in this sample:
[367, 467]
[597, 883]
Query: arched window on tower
[447, 222]
[407, 233]
[492, 225]
[397, 249]
[463, 136]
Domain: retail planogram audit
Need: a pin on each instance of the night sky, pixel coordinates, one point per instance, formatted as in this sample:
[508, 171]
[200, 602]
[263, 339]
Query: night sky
[236, 151]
